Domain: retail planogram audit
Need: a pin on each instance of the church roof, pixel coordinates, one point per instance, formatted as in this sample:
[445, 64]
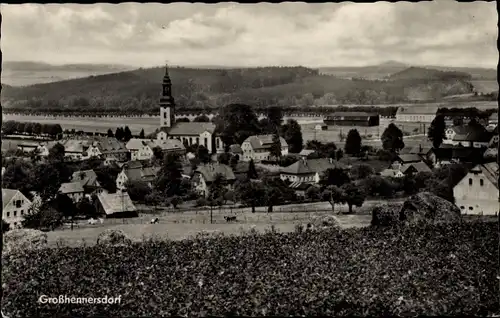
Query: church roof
[189, 129]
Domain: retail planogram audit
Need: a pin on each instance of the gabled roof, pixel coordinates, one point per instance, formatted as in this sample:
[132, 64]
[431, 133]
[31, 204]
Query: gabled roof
[136, 172]
[71, 187]
[235, 149]
[389, 172]
[169, 144]
[116, 202]
[306, 152]
[136, 164]
[421, 149]
[209, 171]
[418, 110]
[189, 129]
[471, 133]
[86, 178]
[406, 158]
[311, 166]
[259, 142]
[109, 145]
[75, 146]
[136, 143]
[7, 195]
[419, 167]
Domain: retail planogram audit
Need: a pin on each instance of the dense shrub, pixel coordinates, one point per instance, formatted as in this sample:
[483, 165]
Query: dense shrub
[111, 237]
[448, 268]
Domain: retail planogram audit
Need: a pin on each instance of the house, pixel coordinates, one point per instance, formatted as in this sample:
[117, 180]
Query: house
[134, 171]
[300, 188]
[308, 170]
[140, 149]
[494, 138]
[206, 174]
[114, 205]
[416, 113]
[407, 158]
[477, 193]
[447, 153]
[258, 147]
[108, 147]
[76, 150]
[174, 146]
[188, 133]
[29, 147]
[306, 152]
[468, 136]
[414, 168]
[88, 180]
[73, 190]
[352, 119]
[14, 207]
[392, 173]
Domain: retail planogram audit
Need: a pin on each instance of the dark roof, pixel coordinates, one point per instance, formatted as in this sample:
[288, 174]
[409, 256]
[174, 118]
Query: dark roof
[209, 171]
[235, 149]
[490, 170]
[471, 133]
[86, 178]
[189, 129]
[264, 141]
[418, 166]
[109, 145]
[308, 166]
[406, 158]
[71, 187]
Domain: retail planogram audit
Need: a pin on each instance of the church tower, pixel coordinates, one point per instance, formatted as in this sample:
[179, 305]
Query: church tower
[167, 103]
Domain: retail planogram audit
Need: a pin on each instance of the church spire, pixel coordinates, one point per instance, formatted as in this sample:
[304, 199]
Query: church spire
[167, 102]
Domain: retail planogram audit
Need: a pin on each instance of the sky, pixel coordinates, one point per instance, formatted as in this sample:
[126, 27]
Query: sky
[443, 32]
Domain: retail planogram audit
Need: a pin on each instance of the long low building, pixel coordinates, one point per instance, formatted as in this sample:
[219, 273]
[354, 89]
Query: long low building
[352, 119]
[417, 113]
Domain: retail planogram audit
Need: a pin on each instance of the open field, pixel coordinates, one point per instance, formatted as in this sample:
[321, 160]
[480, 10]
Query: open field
[181, 225]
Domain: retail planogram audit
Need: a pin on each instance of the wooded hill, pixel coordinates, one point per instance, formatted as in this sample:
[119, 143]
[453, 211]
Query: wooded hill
[138, 91]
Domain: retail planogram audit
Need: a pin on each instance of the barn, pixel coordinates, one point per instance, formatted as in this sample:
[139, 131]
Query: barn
[352, 119]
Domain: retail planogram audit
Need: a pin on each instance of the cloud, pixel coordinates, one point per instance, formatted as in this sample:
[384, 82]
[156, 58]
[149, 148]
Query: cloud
[438, 32]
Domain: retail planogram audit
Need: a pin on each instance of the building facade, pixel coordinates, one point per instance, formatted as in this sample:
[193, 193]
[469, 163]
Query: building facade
[352, 119]
[258, 148]
[206, 174]
[308, 170]
[416, 113]
[477, 193]
[15, 207]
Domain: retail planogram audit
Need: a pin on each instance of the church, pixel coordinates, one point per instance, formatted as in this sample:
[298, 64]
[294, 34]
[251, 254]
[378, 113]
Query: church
[188, 133]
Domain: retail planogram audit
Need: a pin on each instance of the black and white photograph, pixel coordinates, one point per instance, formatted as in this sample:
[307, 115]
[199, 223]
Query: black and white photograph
[250, 159]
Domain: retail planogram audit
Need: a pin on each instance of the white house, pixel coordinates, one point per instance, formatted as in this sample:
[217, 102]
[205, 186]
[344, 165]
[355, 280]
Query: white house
[14, 207]
[309, 170]
[188, 133]
[477, 193]
[393, 173]
[133, 171]
[140, 149]
[258, 147]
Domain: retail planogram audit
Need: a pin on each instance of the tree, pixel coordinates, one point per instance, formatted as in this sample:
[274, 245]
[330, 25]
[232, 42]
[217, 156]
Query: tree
[436, 132]
[237, 122]
[233, 162]
[353, 142]
[137, 190]
[353, 195]
[119, 133]
[361, 171]
[175, 201]
[182, 120]
[110, 133]
[224, 158]
[63, 204]
[275, 150]
[249, 193]
[203, 155]
[335, 176]
[46, 217]
[339, 154]
[127, 134]
[292, 134]
[169, 178]
[56, 153]
[19, 175]
[276, 192]
[333, 195]
[154, 198]
[5, 226]
[86, 208]
[252, 172]
[141, 134]
[201, 119]
[392, 138]
[313, 193]
[275, 116]
[158, 153]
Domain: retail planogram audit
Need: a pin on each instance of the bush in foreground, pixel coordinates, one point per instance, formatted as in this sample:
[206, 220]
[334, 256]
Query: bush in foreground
[438, 269]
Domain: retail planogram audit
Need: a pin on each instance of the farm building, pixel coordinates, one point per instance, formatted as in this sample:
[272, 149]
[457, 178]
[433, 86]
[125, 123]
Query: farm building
[352, 119]
[116, 205]
[73, 190]
[133, 171]
[416, 113]
[309, 170]
[206, 174]
[468, 136]
[14, 206]
[477, 192]
[258, 147]
[88, 180]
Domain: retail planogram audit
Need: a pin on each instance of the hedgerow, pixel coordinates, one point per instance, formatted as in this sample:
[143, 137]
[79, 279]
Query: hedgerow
[445, 269]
